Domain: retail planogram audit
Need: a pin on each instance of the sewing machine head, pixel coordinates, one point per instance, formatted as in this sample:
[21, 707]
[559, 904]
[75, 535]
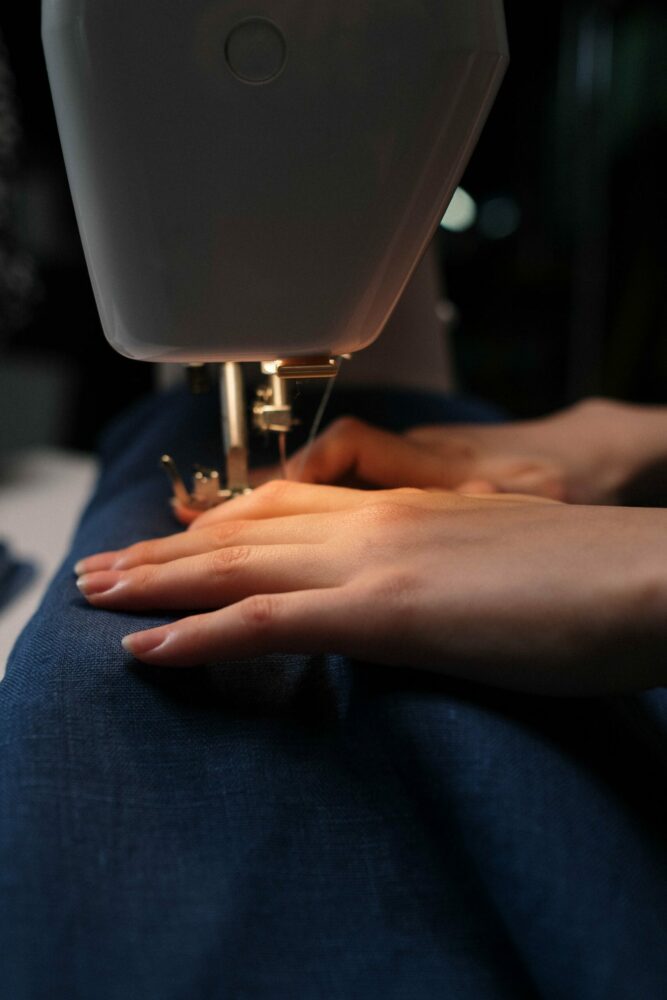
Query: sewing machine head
[258, 181]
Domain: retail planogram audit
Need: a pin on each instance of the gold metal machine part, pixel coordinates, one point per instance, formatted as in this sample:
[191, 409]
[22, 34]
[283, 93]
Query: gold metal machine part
[271, 411]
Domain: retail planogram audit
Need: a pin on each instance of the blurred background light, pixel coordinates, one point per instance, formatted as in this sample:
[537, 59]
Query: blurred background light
[499, 218]
[461, 214]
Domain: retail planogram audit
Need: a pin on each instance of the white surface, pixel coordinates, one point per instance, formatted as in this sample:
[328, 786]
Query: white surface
[42, 493]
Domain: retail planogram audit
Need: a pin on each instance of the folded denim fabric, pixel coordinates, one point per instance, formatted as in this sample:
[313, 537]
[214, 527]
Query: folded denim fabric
[308, 827]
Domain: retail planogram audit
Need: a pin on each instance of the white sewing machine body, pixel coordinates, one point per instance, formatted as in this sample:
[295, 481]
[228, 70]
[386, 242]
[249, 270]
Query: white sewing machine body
[259, 180]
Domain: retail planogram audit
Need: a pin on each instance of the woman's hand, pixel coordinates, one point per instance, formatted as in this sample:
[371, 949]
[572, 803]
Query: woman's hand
[512, 591]
[584, 454]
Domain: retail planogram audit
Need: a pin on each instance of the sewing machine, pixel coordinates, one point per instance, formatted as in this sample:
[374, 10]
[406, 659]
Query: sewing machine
[257, 181]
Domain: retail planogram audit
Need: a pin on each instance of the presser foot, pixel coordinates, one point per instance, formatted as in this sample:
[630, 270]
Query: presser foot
[207, 491]
[271, 412]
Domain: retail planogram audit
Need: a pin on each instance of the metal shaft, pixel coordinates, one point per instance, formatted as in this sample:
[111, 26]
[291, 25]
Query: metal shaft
[279, 390]
[234, 429]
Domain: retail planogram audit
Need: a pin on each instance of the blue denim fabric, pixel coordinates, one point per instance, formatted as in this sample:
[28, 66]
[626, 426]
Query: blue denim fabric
[306, 826]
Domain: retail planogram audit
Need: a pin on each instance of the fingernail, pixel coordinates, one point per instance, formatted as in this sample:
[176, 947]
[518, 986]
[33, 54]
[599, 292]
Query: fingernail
[93, 564]
[96, 584]
[139, 643]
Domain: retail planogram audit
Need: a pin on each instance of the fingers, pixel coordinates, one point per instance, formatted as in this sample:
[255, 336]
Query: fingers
[274, 500]
[350, 448]
[273, 531]
[257, 477]
[541, 479]
[293, 507]
[216, 578]
[495, 460]
[281, 498]
[302, 621]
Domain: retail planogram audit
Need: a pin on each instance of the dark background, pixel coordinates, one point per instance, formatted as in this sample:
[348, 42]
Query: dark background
[559, 284]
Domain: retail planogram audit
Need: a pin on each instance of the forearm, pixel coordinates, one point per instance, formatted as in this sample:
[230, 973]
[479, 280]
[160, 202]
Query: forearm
[581, 612]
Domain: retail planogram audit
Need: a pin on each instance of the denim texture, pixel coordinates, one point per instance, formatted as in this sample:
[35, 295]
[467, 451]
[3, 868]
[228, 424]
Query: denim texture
[307, 826]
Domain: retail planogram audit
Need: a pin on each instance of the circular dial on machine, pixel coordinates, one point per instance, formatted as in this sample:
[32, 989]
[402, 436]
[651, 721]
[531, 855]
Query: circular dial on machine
[255, 50]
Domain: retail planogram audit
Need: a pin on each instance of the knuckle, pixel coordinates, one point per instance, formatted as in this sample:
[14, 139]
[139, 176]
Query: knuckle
[225, 531]
[226, 561]
[259, 611]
